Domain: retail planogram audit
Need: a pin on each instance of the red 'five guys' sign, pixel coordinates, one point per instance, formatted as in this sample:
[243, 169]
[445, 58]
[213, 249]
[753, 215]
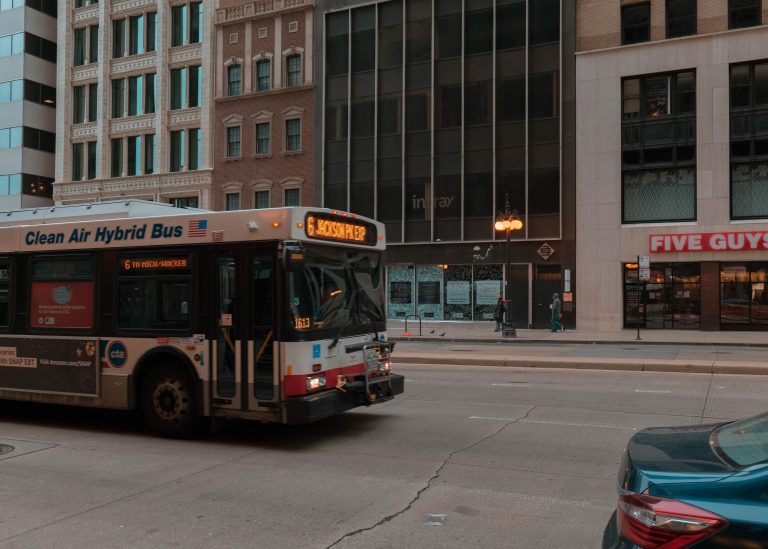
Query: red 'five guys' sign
[709, 242]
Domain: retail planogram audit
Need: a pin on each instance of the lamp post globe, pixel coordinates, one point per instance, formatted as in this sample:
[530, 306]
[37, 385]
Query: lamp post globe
[508, 220]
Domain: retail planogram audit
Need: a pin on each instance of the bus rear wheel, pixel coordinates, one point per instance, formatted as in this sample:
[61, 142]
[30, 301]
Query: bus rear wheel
[168, 402]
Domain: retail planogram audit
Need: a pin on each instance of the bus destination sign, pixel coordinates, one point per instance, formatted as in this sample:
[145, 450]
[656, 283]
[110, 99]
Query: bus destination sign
[324, 226]
[155, 264]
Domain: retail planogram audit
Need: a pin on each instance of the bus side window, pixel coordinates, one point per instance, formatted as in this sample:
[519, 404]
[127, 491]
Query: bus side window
[5, 281]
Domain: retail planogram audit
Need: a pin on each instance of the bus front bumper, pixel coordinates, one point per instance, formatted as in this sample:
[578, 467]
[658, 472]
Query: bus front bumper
[329, 403]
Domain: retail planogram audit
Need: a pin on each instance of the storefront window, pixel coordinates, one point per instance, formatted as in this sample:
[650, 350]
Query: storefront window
[429, 291]
[458, 292]
[670, 299]
[743, 296]
[487, 287]
[400, 291]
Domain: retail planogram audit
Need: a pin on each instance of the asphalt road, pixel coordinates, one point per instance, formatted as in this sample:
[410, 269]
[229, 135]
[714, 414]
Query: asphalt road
[468, 457]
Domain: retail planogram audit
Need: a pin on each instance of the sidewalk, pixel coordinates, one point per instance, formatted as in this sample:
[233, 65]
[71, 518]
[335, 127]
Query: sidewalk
[476, 344]
[482, 332]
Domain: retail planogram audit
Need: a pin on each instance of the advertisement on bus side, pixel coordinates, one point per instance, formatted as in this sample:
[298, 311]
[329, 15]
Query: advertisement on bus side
[49, 365]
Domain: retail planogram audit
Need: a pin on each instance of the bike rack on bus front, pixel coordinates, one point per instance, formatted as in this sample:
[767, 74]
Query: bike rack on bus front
[371, 359]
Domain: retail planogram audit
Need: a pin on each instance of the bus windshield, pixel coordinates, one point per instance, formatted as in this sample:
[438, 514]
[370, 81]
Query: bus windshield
[339, 292]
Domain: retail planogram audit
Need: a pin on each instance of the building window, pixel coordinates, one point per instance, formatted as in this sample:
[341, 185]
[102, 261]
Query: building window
[33, 45]
[185, 202]
[233, 80]
[744, 296]
[262, 138]
[118, 98]
[659, 148]
[93, 96]
[11, 44]
[293, 70]
[149, 93]
[261, 200]
[671, 299]
[293, 135]
[79, 47]
[681, 18]
[134, 155]
[635, 23]
[135, 35]
[135, 92]
[178, 25]
[45, 6]
[77, 161]
[118, 38]
[152, 31]
[178, 88]
[186, 24]
[92, 160]
[232, 201]
[744, 13]
[12, 91]
[194, 148]
[749, 140]
[78, 107]
[149, 153]
[38, 93]
[177, 151]
[117, 157]
[93, 44]
[293, 197]
[195, 86]
[263, 75]
[233, 142]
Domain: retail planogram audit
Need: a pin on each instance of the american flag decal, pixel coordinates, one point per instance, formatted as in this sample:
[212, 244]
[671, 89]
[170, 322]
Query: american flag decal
[198, 228]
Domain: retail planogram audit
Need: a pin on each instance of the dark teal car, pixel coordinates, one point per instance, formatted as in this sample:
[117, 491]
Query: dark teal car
[702, 486]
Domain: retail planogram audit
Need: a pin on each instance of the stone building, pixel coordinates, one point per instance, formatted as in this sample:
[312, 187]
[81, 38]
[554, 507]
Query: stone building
[672, 156]
[134, 82]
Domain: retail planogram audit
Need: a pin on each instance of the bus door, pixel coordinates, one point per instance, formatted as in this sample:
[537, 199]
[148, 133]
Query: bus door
[262, 364]
[244, 373]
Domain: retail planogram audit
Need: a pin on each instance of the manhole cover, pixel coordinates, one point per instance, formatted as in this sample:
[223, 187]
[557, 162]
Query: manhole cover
[6, 449]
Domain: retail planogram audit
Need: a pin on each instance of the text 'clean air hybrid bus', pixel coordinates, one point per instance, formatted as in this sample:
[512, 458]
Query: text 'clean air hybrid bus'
[275, 315]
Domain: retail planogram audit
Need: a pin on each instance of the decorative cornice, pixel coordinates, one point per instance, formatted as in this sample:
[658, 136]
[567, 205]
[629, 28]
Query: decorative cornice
[262, 116]
[84, 131]
[232, 120]
[85, 14]
[259, 8]
[124, 6]
[132, 124]
[85, 72]
[199, 179]
[139, 62]
[184, 117]
[184, 54]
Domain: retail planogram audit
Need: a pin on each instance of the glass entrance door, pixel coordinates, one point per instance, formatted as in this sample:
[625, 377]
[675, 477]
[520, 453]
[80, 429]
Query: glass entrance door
[227, 344]
[262, 366]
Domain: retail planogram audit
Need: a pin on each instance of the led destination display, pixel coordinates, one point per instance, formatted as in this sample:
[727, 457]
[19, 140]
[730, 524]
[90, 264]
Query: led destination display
[323, 226]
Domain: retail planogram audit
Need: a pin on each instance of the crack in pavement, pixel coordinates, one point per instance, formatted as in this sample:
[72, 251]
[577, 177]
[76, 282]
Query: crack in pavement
[434, 477]
[706, 399]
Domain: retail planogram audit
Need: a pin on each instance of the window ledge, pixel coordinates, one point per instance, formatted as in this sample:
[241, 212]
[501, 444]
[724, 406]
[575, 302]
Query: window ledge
[262, 156]
[233, 158]
[293, 153]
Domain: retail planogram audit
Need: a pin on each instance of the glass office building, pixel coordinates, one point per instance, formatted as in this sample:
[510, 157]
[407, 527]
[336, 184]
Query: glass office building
[435, 112]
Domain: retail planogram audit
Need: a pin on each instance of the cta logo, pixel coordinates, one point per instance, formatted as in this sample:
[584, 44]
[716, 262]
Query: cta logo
[117, 354]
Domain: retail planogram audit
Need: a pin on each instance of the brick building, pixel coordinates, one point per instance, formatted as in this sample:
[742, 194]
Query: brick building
[264, 104]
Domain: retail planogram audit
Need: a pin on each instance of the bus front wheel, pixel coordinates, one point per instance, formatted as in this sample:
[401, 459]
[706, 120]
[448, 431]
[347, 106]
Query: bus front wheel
[168, 401]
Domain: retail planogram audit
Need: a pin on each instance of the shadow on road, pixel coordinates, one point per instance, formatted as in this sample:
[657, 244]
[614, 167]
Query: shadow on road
[231, 432]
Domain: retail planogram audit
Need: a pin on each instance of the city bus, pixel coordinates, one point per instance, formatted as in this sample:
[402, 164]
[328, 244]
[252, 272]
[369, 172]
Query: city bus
[274, 315]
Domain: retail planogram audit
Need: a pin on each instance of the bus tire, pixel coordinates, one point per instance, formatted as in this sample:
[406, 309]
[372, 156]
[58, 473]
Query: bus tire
[169, 402]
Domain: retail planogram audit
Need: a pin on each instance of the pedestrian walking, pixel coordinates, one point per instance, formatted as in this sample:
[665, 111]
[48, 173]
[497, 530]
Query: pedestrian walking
[498, 313]
[557, 314]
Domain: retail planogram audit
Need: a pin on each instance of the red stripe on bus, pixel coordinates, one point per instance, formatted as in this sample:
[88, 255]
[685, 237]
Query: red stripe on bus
[296, 385]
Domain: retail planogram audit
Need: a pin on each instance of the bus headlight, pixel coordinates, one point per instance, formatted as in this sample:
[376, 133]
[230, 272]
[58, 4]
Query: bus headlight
[316, 382]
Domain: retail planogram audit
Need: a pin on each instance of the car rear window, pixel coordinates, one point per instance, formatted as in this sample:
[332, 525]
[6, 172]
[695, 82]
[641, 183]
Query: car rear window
[743, 443]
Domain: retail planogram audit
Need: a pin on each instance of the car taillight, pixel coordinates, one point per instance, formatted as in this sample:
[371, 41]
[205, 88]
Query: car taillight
[659, 523]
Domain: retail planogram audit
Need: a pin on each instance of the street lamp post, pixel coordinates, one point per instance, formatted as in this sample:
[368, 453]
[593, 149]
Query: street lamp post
[508, 220]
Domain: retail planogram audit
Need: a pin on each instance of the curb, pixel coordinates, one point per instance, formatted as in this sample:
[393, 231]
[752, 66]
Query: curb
[629, 365]
[517, 341]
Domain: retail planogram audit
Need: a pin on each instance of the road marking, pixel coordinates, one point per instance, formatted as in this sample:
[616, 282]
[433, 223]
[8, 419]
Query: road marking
[511, 385]
[565, 423]
[652, 392]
